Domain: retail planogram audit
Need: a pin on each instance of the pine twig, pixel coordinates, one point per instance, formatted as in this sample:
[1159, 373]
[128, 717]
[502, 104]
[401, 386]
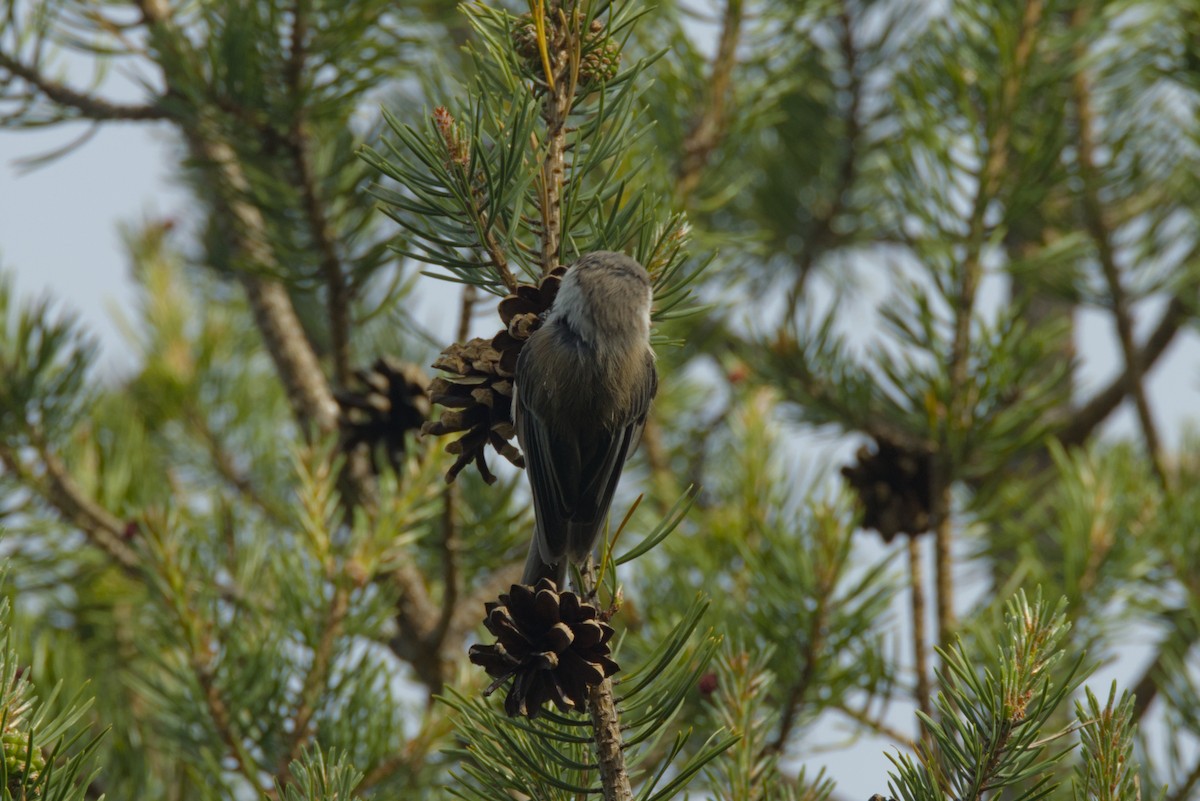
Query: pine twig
[200, 650]
[450, 574]
[493, 248]
[218, 712]
[606, 727]
[814, 645]
[300, 147]
[560, 59]
[989, 178]
[315, 679]
[222, 462]
[1083, 421]
[59, 490]
[705, 136]
[822, 233]
[466, 311]
[920, 636]
[877, 726]
[473, 181]
[88, 106]
[1093, 214]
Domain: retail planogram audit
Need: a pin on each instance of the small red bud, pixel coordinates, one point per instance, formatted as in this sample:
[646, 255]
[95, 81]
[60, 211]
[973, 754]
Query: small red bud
[707, 684]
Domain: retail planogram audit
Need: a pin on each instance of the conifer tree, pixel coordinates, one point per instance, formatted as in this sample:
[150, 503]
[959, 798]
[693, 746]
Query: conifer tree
[280, 557]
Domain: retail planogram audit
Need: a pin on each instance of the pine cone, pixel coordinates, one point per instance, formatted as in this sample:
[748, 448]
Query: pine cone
[552, 643]
[521, 314]
[893, 488]
[15, 746]
[601, 57]
[392, 400]
[479, 400]
[600, 54]
[477, 389]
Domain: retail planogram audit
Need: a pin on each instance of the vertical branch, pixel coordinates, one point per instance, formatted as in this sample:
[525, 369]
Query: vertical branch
[706, 134]
[606, 726]
[943, 537]
[814, 647]
[920, 636]
[316, 678]
[559, 44]
[1098, 228]
[821, 235]
[450, 577]
[1095, 410]
[323, 237]
[606, 720]
[450, 496]
[961, 393]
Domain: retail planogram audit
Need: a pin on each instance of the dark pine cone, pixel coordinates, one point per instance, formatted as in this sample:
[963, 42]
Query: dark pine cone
[521, 314]
[479, 402]
[552, 643]
[477, 388]
[893, 488]
[390, 400]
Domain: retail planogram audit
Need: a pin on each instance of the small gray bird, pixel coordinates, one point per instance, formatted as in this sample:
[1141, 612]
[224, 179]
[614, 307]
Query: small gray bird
[583, 387]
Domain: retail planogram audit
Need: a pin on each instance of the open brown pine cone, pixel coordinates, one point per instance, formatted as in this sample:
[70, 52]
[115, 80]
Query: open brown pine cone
[476, 385]
[552, 644]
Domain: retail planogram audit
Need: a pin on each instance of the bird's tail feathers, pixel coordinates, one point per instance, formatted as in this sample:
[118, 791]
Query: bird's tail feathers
[537, 569]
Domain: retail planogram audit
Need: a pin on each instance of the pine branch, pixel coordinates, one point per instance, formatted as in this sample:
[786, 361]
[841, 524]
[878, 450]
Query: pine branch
[315, 679]
[705, 136]
[320, 230]
[218, 712]
[421, 640]
[1183, 791]
[87, 106]
[416, 621]
[606, 727]
[493, 247]
[1093, 214]
[920, 637]
[821, 235]
[561, 60]
[222, 461]
[295, 360]
[451, 546]
[300, 146]
[877, 726]
[988, 184]
[57, 487]
[1081, 422]
[174, 587]
[814, 645]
